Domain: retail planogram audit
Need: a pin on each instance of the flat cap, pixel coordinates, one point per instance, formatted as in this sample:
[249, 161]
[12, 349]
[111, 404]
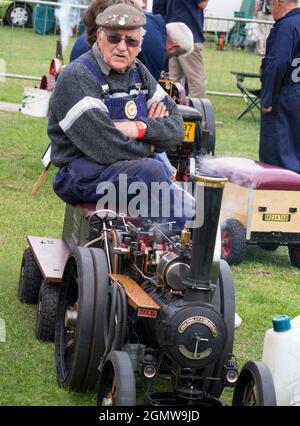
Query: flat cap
[122, 16]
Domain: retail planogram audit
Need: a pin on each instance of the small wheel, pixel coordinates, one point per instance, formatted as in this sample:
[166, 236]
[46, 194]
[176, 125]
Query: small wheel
[46, 314]
[30, 279]
[269, 246]
[19, 14]
[294, 253]
[74, 321]
[234, 246]
[255, 386]
[117, 381]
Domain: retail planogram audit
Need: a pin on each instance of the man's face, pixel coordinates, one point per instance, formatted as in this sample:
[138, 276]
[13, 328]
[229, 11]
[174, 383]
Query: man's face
[119, 48]
[274, 6]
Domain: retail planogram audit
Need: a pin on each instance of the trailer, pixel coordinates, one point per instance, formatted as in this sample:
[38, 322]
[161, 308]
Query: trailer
[261, 206]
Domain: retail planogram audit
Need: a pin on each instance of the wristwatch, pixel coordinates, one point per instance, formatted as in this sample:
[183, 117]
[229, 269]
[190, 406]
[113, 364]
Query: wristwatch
[142, 128]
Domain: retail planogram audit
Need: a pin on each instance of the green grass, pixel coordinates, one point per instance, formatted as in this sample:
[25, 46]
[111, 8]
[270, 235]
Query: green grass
[266, 283]
[262, 282]
[25, 53]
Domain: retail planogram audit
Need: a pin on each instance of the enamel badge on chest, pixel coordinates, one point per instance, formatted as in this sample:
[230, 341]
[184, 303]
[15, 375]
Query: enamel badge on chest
[130, 110]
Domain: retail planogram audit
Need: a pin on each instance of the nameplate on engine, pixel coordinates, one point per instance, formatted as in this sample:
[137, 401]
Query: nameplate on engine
[198, 320]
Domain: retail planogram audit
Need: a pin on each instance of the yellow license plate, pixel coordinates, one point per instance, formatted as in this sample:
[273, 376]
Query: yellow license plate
[189, 131]
[276, 217]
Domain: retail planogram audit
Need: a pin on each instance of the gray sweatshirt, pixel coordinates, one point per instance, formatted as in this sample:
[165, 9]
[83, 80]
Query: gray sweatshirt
[79, 121]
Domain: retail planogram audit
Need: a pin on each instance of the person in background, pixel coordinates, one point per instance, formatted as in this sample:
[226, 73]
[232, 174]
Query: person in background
[190, 66]
[262, 12]
[160, 41]
[280, 92]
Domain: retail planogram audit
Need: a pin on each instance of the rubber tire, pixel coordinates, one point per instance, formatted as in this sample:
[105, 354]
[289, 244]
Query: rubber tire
[46, 313]
[269, 246]
[97, 347]
[294, 253]
[71, 373]
[237, 233]
[30, 279]
[258, 374]
[119, 367]
[224, 302]
[8, 19]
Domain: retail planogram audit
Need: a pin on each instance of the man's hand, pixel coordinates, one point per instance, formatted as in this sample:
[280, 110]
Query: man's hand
[128, 128]
[158, 110]
[266, 110]
[203, 4]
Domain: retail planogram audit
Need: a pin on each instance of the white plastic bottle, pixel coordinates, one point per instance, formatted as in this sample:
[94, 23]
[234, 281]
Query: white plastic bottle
[281, 353]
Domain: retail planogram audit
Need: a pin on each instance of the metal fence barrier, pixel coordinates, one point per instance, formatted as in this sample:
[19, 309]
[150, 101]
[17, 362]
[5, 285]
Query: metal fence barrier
[25, 52]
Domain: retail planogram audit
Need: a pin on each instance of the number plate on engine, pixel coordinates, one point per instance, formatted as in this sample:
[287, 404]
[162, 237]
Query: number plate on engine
[189, 131]
[271, 217]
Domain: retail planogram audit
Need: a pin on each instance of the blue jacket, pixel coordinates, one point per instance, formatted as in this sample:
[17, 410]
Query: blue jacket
[186, 11]
[280, 63]
[280, 129]
[153, 54]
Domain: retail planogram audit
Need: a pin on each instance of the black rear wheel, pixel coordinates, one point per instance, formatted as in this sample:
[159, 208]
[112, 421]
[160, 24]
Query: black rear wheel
[294, 253]
[234, 245]
[30, 279]
[117, 381]
[74, 321]
[46, 314]
[255, 386]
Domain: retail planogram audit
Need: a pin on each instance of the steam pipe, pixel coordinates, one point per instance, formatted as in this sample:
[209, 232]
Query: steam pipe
[204, 237]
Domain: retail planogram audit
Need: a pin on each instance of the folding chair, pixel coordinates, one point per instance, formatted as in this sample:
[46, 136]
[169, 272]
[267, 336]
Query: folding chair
[252, 99]
[250, 96]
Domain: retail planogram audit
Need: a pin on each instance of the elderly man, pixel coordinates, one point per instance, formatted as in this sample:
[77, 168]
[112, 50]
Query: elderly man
[108, 116]
[280, 93]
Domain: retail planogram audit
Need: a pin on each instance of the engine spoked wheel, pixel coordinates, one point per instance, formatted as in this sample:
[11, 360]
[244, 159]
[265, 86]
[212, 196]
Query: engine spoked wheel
[74, 322]
[30, 279]
[117, 381]
[255, 386]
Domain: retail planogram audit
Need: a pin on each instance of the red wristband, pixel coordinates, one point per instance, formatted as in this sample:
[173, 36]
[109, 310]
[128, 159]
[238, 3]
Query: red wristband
[141, 127]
